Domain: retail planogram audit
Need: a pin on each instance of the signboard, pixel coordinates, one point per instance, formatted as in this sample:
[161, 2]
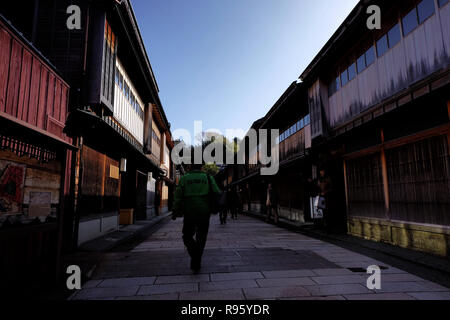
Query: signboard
[316, 212]
[12, 180]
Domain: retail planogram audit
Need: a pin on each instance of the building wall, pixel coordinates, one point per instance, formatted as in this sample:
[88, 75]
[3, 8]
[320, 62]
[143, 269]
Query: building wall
[29, 89]
[100, 183]
[416, 56]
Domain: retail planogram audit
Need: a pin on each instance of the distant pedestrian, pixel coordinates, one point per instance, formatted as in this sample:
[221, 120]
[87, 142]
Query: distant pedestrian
[223, 207]
[271, 203]
[325, 188]
[232, 201]
[240, 201]
[195, 199]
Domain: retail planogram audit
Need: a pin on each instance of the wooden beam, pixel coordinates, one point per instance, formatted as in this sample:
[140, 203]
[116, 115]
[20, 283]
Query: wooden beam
[448, 109]
[346, 183]
[384, 174]
[440, 130]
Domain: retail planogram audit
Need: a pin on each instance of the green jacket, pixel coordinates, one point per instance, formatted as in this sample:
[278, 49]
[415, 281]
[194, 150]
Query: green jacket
[192, 195]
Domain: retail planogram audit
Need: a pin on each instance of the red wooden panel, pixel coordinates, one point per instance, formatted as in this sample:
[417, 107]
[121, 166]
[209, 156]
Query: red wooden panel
[5, 48]
[34, 92]
[14, 78]
[41, 113]
[50, 95]
[24, 91]
[64, 105]
[57, 103]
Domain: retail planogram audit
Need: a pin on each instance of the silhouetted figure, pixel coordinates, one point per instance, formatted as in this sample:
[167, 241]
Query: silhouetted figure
[223, 207]
[325, 188]
[232, 200]
[240, 201]
[193, 200]
[271, 203]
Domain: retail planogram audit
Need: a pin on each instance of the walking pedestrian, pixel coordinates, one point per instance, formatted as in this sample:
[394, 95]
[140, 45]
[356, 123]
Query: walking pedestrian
[240, 201]
[223, 207]
[271, 203]
[232, 203]
[195, 199]
[325, 188]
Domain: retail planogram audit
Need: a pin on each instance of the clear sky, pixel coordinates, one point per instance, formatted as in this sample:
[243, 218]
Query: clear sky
[226, 62]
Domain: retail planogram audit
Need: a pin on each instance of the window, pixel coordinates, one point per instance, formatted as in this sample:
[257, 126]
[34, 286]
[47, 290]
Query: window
[442, 3]
[370, 56]
[120, 81]
[117, 75]
[344, 78]
[132, 101]
[394, 36]
[382, 46]
[307, 120]
[338, 83]
[352, 72]
[410, 22]
[425, 10]
[361, 63]
[302, 124]
[127, 91]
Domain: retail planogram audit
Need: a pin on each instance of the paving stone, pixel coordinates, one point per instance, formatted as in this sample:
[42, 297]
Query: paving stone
[381, 296]
[126, 282]
[168, 296]
[100, 293]
[337, 289]
[315, 298]
[430, 295]
[285, 282]
[223, 285]
[167, 288]
[274, 293]
[403, 277]
[236, 276]
[424, 286]
[213, 295]
[246, 259]
[346, 279]
[332, 272]
[91, 284]
[183, 279]
[287, 274]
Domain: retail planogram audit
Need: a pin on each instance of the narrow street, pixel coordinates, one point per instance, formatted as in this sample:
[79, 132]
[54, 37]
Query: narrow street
[247, 259]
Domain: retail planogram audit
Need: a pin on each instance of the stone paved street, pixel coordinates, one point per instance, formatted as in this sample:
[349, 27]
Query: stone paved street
[247, 259]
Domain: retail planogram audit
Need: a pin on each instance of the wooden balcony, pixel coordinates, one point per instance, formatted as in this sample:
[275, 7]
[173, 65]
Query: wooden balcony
[31, 91]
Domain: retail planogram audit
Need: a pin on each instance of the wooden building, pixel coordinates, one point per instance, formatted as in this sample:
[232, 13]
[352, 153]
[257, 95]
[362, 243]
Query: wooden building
[35, 158]
[114, 107]
[289, 115]
[380, 106]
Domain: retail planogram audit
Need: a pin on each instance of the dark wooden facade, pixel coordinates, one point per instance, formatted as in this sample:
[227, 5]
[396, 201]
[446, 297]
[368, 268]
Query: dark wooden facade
[380, 122]
[89, 59]
[35, 162]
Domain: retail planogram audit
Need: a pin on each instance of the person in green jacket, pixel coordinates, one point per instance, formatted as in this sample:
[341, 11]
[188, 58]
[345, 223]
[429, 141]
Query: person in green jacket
[193, 201]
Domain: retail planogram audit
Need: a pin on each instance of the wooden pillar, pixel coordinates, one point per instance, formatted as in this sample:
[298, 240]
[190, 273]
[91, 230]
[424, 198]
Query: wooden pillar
[346, 184]
[448, 134]
[62, 184]
[448, 108]
[384, 175]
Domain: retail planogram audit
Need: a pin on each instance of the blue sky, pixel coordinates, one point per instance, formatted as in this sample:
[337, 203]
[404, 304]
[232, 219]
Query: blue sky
[226, 62]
